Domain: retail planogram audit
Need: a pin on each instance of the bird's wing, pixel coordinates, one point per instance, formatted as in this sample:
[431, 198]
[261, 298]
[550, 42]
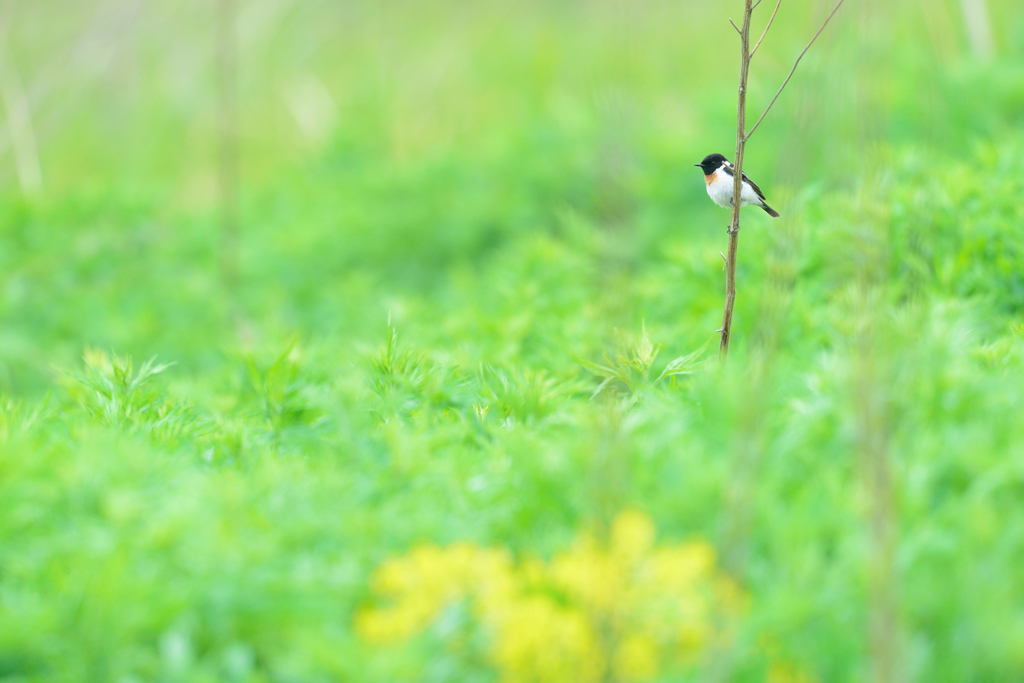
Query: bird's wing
[728, 168]
[754, 185]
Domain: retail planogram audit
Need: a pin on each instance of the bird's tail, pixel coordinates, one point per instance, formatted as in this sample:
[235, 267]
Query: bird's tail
[770, 211]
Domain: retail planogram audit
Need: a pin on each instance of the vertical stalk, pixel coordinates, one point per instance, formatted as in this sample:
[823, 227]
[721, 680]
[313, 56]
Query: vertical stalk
[742, 135]
[19, 113]
[741, 141]
[979, 28]
[227, 130]
[20, 129]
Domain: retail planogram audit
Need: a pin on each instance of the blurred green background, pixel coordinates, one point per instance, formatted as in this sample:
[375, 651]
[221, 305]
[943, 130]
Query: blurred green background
[455, 220]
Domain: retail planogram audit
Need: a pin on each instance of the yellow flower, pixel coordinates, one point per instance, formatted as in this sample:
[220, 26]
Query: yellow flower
[388, 626]
[632, 536]
[625, 607]
[539, 640]
[636, 658]
[589, 576]
[692, 637]
[681, 567]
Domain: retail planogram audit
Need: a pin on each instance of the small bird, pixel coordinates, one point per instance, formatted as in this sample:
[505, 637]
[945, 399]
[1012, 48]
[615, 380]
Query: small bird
[718, 175]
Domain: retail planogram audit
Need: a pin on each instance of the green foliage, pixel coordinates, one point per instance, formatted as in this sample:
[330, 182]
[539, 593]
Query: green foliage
[514, 184]
[114, 393]
[279, 391]
[407, 384]
[525, 395]
[632, 367]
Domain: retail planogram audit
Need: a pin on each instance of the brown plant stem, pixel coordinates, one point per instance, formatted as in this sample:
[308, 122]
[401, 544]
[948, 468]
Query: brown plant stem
[742, 135]
[765, 32]
[737, 187]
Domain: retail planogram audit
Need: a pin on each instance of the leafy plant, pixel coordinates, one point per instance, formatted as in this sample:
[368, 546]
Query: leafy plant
[397, 370]
[631, 366]
[407, 383]
[113, 392]
[279, 390]
[520, 394]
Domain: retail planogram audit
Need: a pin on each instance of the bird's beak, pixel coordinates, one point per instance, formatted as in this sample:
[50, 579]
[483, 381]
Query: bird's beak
[696, 164]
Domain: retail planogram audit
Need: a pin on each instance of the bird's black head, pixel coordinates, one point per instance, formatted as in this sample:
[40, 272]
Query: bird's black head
[711, 163]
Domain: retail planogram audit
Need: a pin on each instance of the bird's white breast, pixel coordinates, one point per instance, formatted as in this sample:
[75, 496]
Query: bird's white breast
[720, 191]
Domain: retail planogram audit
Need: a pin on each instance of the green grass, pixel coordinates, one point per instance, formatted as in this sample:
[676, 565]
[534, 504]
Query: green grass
[458, 221]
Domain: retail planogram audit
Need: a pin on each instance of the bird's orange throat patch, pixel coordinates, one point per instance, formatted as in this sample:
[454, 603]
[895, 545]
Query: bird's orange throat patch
[708, 179]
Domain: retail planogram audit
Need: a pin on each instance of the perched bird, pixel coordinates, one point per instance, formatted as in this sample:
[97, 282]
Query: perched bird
[718, 175]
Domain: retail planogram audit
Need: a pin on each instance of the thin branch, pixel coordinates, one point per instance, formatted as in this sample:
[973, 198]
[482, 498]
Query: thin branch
[735, 26]
[758, 43]
[737, 185]
[747, 136]
[754, 7]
